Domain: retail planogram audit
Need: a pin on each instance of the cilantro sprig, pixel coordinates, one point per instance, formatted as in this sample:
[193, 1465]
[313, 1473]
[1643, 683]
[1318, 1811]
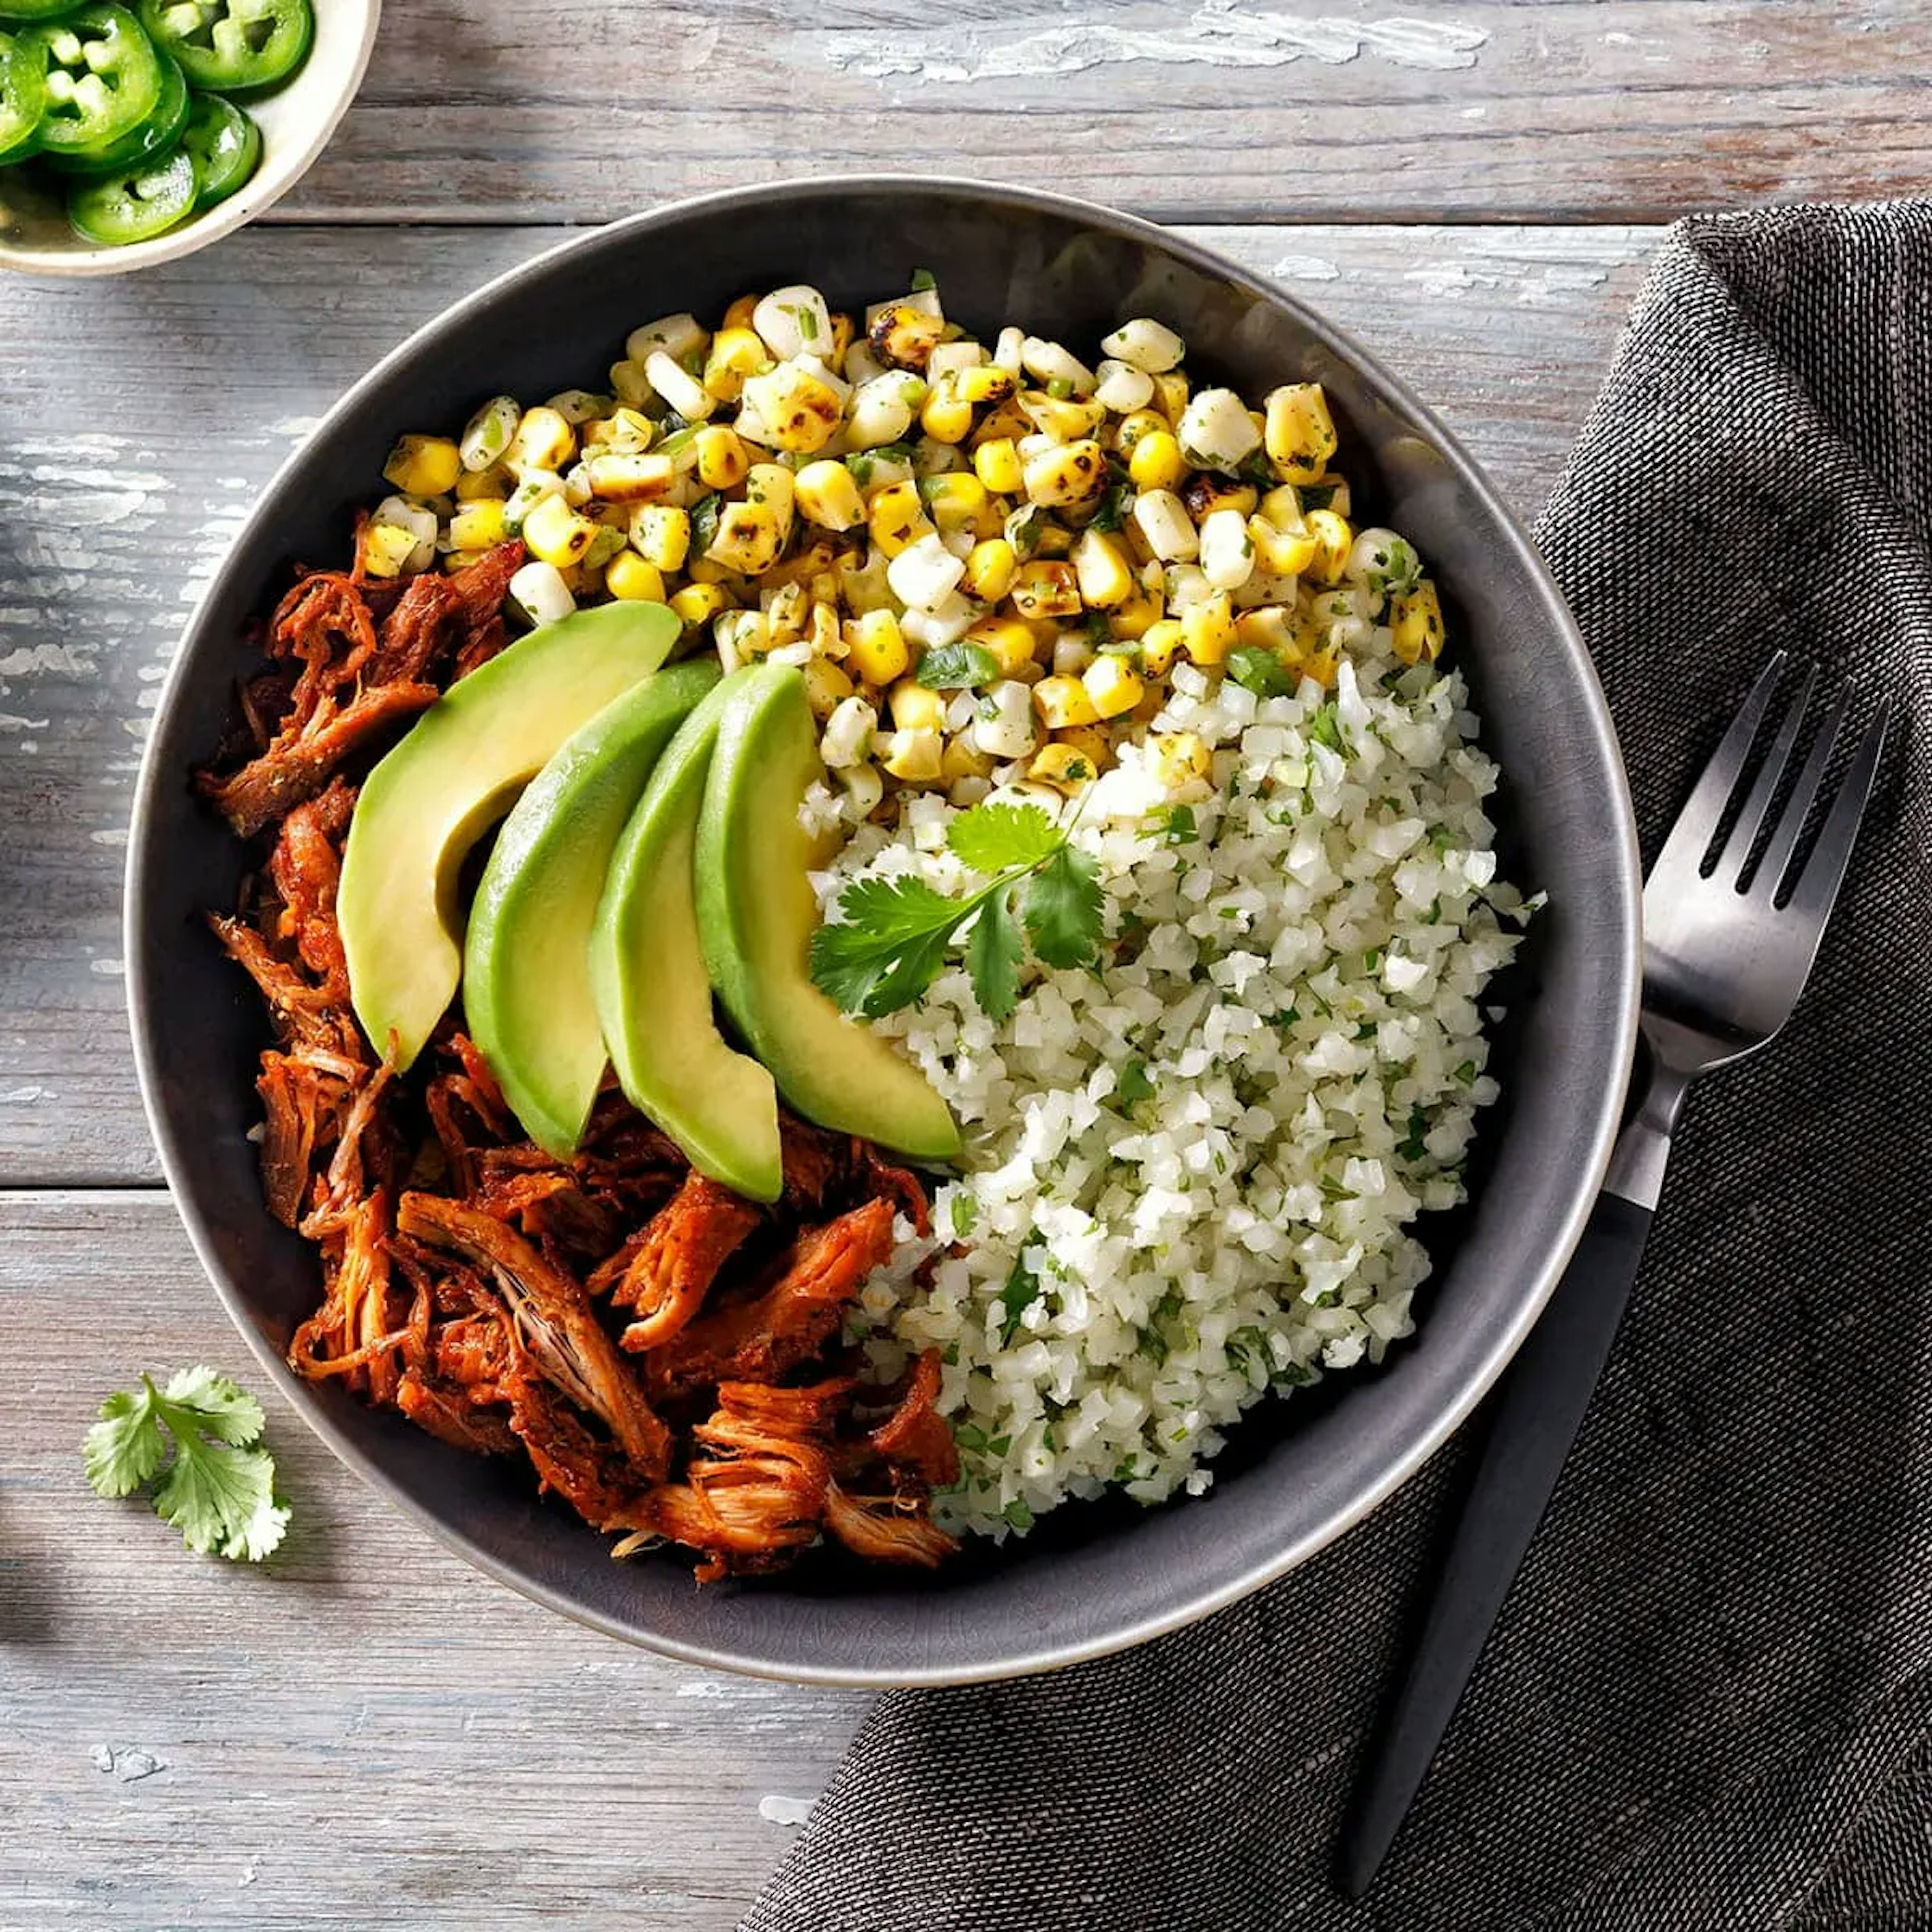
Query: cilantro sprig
[219, 1491]
[894, 935]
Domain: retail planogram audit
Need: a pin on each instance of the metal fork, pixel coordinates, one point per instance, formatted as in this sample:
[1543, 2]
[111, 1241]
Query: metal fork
[1728, 943]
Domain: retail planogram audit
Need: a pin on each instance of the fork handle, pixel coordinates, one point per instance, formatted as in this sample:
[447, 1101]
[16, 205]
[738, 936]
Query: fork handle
[1535, 1417]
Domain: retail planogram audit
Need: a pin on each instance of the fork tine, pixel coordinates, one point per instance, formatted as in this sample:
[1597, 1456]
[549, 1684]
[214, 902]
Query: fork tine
[1817, 886]
[1704, 810]
[1770, 776]
[1777, 861]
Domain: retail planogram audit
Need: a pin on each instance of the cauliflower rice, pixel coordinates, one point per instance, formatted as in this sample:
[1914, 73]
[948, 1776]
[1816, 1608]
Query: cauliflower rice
[1191, 1172]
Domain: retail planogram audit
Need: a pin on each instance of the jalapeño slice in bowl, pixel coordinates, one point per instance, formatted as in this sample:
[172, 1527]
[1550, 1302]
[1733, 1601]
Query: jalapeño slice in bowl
[136, 204]
[225, 144]
[23, 94]
[12, 10]
[161, 129]
[104, 78]
[233, 46]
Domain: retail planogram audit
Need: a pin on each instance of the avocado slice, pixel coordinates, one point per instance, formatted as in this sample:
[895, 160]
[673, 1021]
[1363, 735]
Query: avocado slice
[526, 994]
[756, 913]
[648, 977]
[453, 775]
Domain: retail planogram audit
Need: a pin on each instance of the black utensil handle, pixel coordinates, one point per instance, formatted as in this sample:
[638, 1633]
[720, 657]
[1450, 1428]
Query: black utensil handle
[1535, 1416]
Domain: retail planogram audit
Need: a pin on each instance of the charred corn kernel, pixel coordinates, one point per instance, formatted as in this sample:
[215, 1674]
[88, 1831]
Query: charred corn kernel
[1156, 462]
[1046, 590]
[646, 478]
[740, 636]
[896, 517]
[963, 759]
[917, 757]
[1300, 434]
[1094, 740]
[495, 481]
[1063, 702]
[1135, 617]
[1180, 758]
[660, 535]
[770, 486]
[1010, 642]
[1068, 473]
[843, 328]
[1135, 427]
[945, 415]
[986, 383]
[903, 336]
[722, 458]
[698, 604]
[826, 686]
[624, 432]
[1004, 422]
[629, 578]
[916, 709]
[955, 501]
[424, 466]
[1170, 393]
[876, 647]
[708, 570]
[1207, 629]
[543, 441]
[739, 315]
[991, 567]
[787, 612]
[1204, 493]
[1333, 540]
[1268, 627]
[1112, 685]
[478, 525]
[826, 493]
[736, 353]
[799, 411]
[1159, 644]
[1279, 552]
[1417, 627]
[748, 539]
[997, 464]
[1100, 567]
[556, 534]
[1064, 766]
[1061, 418]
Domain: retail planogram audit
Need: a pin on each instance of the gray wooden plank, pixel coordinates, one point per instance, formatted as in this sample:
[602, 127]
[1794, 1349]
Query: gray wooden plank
[1563, 109]
[362, 1732]
[128, 457]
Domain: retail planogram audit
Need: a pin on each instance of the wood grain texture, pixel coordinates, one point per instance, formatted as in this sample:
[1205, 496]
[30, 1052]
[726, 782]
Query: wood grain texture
[129, 457]
[1349, 110]
[363, 1731]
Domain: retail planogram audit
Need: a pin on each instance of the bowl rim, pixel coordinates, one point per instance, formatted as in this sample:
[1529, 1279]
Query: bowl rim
[1032, 1657]
[80, 258]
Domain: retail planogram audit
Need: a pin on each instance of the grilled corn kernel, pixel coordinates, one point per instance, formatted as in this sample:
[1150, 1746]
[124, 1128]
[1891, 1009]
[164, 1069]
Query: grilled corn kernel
[1207, 629]
[660, 534]
[826, 686]
[543, 441]
[991, 567]
[827, 494]
[708, 570]
[1046, 590]
[770, 486]
[630, 579]
[698, 604]
[1170, 393]
[1063, 702]
[1065, 766]
[1094, 741]
[896, 517]
[1333, 540]
[1159, 644]
[722, 458]
[624, 432]
[956, 501]
[424, 466]
[1061, 418]
[1010, 642]
[1268, 627]
[788, 610]
[1417, 627]
[1112, 685]
[916, 756]
[1068, 473]
[1180, 758]
[1279, 552]
[799, 411]
[876, 647]
[903, 336]
[1204, 493]
[494, 481]
[963, 759]
[1134, 618]
[916, 709]
[736, 353]
[997, 464]
[1156, 462]
[1300, 434]
[945, 415]
[748, 538]
[986, 383]
[739, 315]
[646, 478]
[556, 534]
[1004, 422]
[1101, 568]
[478, 525]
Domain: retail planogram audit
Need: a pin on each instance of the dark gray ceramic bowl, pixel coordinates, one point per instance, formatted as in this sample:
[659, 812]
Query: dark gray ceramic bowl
[1090, 1579]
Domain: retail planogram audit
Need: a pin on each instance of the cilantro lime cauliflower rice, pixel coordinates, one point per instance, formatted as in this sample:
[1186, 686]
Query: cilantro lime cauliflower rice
[1191, 1170]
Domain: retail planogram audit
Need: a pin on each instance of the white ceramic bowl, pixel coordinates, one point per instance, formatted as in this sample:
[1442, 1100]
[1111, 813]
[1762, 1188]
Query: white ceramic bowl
[296, 121]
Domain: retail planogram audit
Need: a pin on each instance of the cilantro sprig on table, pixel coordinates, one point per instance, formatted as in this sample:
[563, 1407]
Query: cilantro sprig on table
[895, 934]
[219, 1491]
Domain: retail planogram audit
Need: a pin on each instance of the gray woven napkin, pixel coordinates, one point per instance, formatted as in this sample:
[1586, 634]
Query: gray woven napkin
[1709, 1701]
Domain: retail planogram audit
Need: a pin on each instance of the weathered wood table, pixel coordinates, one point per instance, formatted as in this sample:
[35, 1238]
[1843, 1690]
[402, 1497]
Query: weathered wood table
[365, 1732]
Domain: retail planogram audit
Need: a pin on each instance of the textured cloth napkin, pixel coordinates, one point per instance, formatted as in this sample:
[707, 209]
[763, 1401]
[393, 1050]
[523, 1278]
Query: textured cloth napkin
[1709, 1701]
